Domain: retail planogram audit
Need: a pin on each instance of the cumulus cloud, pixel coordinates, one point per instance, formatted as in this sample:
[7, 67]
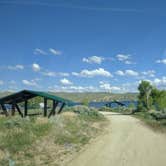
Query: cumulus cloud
[93, 59]
[120, 73]
[93, 73]
[54, 74]
[160, 82]
[29, 83]
[39, 51]
[16, 67]
[149, 73]
[107, 87]
[55, 52]
[124, 58]
[36, 67]
[65, 81]
[49, 74]
[72, 88]
[127, 73]
[163, 61]
[131, 73]
[63, 74]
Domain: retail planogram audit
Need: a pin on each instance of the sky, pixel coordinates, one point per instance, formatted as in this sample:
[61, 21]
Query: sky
[82, 46]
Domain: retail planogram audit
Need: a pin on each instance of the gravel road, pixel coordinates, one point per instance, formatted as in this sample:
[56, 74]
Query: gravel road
[127, 142]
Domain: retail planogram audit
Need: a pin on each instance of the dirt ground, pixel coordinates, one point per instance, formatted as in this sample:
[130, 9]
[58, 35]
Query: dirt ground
[127, 142]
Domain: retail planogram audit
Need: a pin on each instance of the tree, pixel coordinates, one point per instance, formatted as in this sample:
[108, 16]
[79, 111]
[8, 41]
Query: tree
[159, 99]
[145, 98]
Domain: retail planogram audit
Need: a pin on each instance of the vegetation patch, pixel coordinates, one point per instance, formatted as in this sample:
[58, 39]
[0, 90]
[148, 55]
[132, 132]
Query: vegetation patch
[120, 109]
[41, 141]
[149, 120]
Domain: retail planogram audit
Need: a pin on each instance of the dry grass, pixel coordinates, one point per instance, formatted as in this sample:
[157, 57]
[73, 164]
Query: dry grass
[45, 141]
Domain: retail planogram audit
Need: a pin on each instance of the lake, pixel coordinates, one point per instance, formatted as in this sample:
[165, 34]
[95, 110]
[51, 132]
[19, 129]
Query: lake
[113, 105]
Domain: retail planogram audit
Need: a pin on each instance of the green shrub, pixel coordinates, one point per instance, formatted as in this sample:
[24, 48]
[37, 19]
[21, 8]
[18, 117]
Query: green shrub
[21, 133]
[72, 130]
[104, 108]
[87, 113]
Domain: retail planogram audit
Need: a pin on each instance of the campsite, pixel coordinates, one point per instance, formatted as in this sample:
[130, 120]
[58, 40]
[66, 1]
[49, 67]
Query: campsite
[82, 83]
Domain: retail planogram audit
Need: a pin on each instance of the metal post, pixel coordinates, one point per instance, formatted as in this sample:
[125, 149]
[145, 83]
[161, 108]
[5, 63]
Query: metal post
[61, 108]
[4, 109]
[13, 109]
[26, 108]
[45, 107]
[55, 104]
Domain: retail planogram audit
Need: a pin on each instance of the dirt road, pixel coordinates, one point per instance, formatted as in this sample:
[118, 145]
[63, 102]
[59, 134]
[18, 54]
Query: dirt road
[126, 143]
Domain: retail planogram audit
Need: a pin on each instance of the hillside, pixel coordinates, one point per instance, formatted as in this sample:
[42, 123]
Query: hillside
[90, 96]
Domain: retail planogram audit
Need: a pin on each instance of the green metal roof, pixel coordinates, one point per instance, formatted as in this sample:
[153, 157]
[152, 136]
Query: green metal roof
[28, 94]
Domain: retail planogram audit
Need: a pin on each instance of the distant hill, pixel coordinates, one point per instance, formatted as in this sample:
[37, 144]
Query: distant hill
[2, 94]
[90, 96]
[97, 96]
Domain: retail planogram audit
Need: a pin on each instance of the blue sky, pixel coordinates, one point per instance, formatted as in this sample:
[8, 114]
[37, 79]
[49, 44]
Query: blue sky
[82, 46]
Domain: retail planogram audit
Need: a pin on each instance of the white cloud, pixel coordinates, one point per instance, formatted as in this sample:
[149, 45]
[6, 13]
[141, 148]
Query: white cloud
[129, 87]
[120, 73]
[149, 73]
[161, 61]
[93, 59]
[16, 67]
[29, 83]
[160, 82]
[125, 58]
[131, 73]
[93, 73]
[128, 62]
[39, 51]
[127, 73]
[65, 81]
[55, 52]
[72, 88]
[21, 67]
[1, 82]
[122, 57]
[54, 74]
[36, 67]
[63, 74]
[107, 87]
[49, 74]
[75, 74]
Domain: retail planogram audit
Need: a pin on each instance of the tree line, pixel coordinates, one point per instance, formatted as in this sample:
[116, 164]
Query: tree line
[150, 97]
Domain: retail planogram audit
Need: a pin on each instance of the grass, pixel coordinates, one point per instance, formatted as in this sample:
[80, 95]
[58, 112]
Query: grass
[20, 133]
[150, 121]
[41, 141]
[120, 109]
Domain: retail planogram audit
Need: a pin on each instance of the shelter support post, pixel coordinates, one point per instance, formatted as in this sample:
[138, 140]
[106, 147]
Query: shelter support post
[19, 111]
[4, 109]
[55, 104]
[26, 108]
[45, 107]
[13, 109]
[61, 108]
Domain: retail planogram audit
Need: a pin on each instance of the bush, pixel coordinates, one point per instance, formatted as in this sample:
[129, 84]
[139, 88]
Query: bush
[87, 113]
[70, 130]
[20, 133]
[104, 108]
